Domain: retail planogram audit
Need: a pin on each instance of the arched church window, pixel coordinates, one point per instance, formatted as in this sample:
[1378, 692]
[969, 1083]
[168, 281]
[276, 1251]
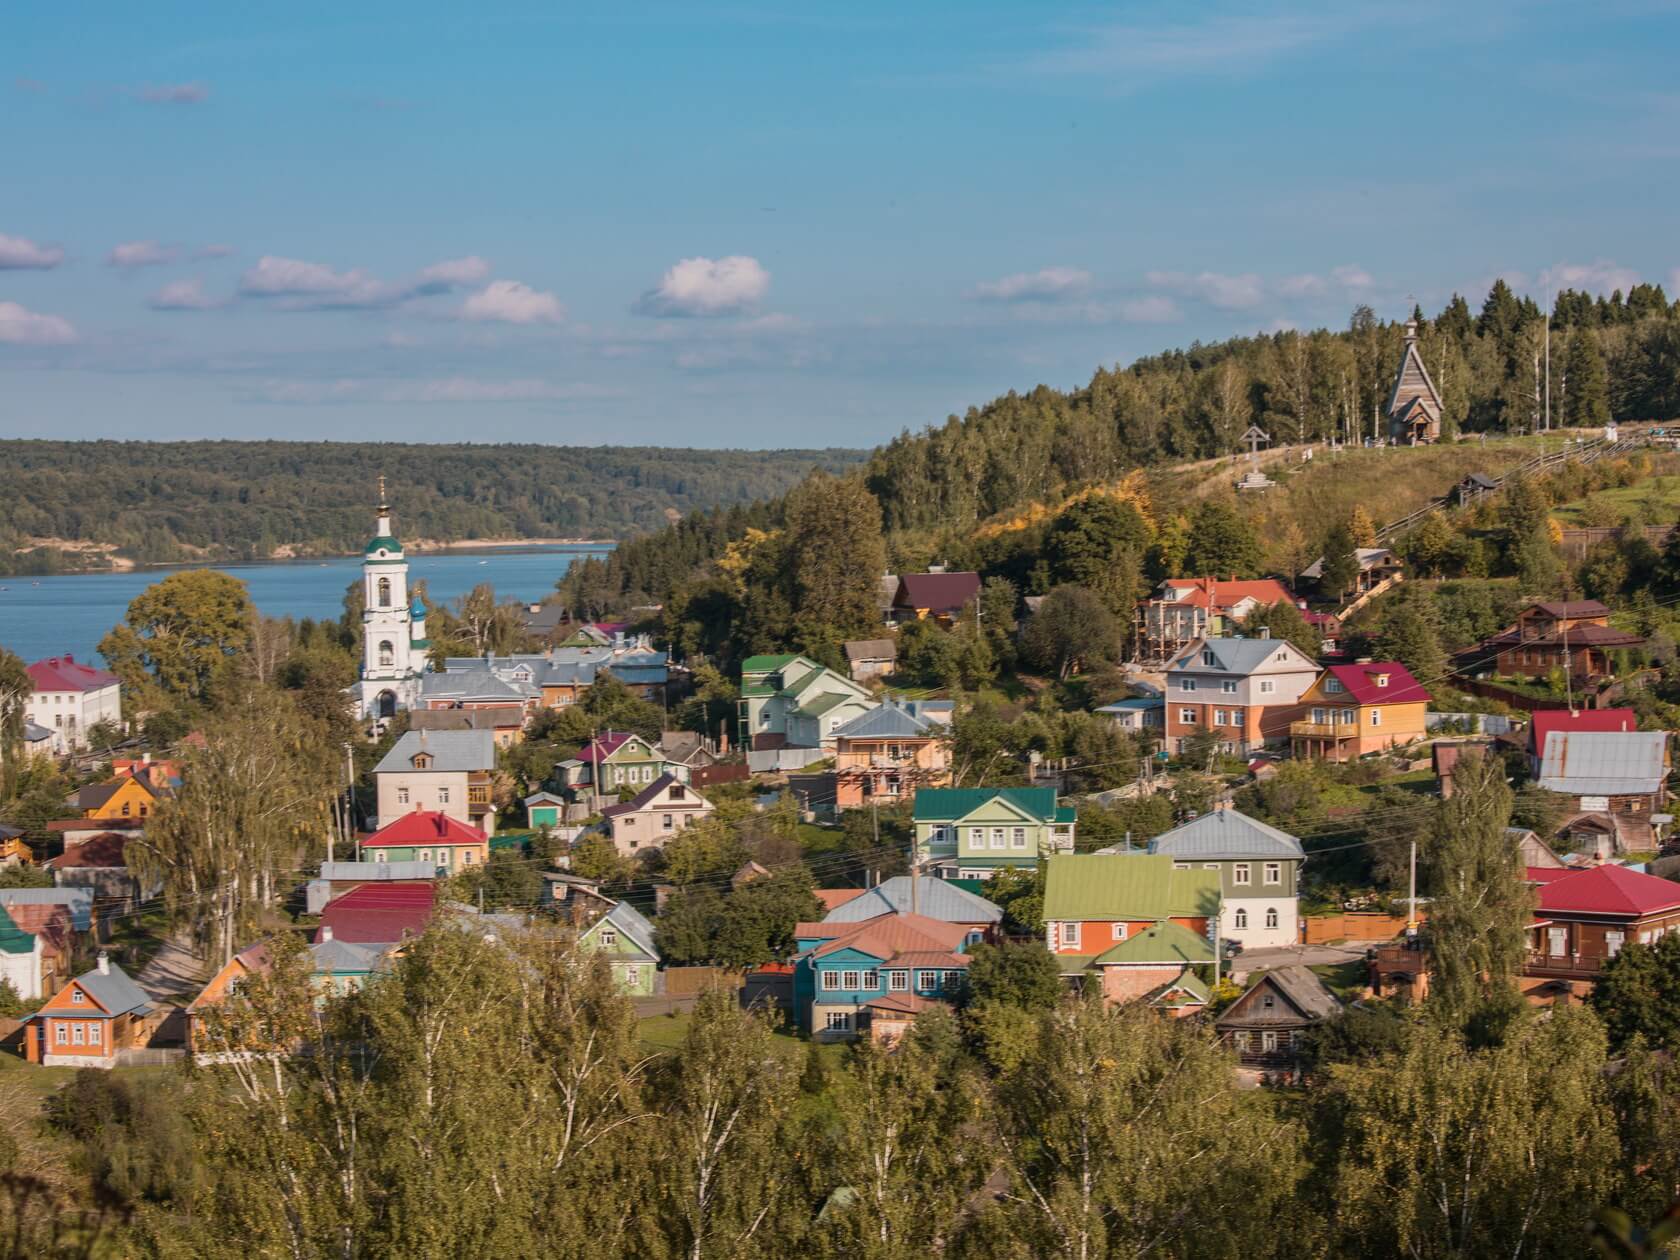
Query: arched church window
[387, 654]
[384, 592]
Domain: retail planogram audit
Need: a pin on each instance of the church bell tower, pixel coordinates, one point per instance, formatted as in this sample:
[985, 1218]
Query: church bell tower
[393, 629]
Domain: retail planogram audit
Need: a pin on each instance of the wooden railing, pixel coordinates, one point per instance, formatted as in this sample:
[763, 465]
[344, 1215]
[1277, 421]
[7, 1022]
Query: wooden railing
[1325, 730]
[1584, 966]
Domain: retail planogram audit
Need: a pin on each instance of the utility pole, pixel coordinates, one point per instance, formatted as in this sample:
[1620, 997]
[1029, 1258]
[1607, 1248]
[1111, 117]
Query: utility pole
[1218, 906]
[1411, 896]
[1548, 362]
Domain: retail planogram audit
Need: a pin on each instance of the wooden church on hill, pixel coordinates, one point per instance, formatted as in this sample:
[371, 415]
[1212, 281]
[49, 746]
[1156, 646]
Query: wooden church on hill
[1414, 408]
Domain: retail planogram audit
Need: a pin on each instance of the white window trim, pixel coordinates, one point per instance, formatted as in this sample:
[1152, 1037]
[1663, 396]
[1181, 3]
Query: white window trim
[1242, 873]
[1273, 872]
[830, 981]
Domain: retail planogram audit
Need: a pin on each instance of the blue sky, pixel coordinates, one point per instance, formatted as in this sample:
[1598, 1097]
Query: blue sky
[772, 224]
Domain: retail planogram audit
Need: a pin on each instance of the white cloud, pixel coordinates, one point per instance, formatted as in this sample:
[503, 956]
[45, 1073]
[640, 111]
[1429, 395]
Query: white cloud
[1150, 310]
[705, 286]
[20, 327]
[1049, 284]
[456, 271]
[17, 253]
[450, 389]
[183, 295]
[1229, 293]
[509, 302]
[1351, 277]
[291, 277]
[1302, 286]
[174, 94]
[140, 254]
[1602, 277]
[1125, 54]
[1348, 277]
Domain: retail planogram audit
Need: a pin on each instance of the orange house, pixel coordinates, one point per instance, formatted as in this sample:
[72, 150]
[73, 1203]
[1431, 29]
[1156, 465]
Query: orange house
[254, 960]
[90, 1021]
[890, 751]
[126, 797]
[1354, 710]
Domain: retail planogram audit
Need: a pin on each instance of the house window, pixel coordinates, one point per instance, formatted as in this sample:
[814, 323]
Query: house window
[1347, 717]
[830, 981]
[871, 980]
[839, 1021]
[61, 1032]
[949, 980]
[76, 1034]
[1382, 680]
[667, 822]
[1181, 866]
[1208, 659]
[1266, 686]
[1187, 716]
[609, 938]
[1333, 685]
[1219, 717]
[1018, 838]
[425, 855]
[1187, 684]
[997, 838]
[1613, 943]
[1318, 715]
[1272, 917]
[77, 997]
[1240, 873]
[851, 979]
[1376, 717]
[927, 981]
[677, 793]
[93, 1034]
[443, 796]
[1071, 935]
[1268, 1040]
[632, 975]
[402, 796]
[1557, 942]
[1118, 931]
[387, 653]
[1240, 922]
[898, 981]
[1274, 872]
[977, 837]
[467, 857]
[1229, 686]
[379, 855]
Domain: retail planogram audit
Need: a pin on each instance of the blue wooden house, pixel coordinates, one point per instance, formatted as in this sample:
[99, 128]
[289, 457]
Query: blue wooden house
[845, 971]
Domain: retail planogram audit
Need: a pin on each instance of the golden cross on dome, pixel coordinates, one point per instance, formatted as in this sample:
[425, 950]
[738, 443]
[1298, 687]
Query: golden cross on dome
[382, 492]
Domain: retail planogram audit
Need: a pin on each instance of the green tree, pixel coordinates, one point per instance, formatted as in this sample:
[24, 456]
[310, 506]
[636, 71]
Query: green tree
[179, 637]
[1283, 620]
[1072, 629]
[1638, 994]
[1340, 564]
[15, 690]
[1222, 543]
[1587, 404]
[836, 556]
[1410, 633]
[1480, 904]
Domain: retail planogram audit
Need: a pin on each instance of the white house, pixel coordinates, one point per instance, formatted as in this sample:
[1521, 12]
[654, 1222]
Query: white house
[445, 771]
[1259, 874]
[657, 813]
[68, 698]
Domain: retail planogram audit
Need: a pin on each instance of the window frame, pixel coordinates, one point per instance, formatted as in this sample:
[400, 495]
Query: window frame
[1272, 872]
[1242, 874]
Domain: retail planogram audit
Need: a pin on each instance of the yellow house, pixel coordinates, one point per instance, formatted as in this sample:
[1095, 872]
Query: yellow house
[1353, 710]
[126, 797]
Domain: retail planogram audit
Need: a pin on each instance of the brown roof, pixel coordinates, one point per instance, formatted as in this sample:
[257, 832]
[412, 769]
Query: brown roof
[891, 936]
[937, 592]
[1573, 608]
[871, 650]
[103, 850]
[834, 898]
[487, 718]
[903, 1004]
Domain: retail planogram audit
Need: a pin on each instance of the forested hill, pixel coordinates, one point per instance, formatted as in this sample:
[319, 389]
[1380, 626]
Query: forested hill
[1610, 358]
[158, 501]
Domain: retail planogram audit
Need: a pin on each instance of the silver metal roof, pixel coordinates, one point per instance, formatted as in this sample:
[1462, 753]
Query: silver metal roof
[1225, 834]
[1603, 763]
[935, 898]
[452, 752]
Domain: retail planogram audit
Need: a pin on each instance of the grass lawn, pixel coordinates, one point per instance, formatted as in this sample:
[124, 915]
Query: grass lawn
[814, 839]
[666, 1032]
[1346, 980]
[1657, 499]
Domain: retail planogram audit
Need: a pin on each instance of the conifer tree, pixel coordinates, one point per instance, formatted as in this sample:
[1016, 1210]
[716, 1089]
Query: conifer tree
[1589, 385]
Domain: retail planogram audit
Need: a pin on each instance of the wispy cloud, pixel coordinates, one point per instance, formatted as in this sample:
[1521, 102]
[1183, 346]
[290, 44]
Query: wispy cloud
[1602, 277]
[18, 253]
[22, 327]
[1348, 278]
[212, 251]
[131, 254]
[1128, 53]
[1049, 284]
[302, 285]
[510, 302]
[1227, 292]
[173, 93]
[451, 389]
[707, 287]
[183, 295]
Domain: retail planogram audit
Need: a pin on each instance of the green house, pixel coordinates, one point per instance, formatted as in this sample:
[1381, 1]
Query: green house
[626, 938]
[797, 699]
[619, 759]
[969, 833]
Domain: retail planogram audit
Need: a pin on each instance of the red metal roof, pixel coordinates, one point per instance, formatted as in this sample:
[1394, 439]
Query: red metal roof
[378, 913]
[424, 826]
[65, 673]
[1214, 593]
[1545, 721]
[889, 935]
[834, 898]
[937, 592]
[1360, 682]
[1546, 874]
[1613, 890]
[604, 746]
[103, 850]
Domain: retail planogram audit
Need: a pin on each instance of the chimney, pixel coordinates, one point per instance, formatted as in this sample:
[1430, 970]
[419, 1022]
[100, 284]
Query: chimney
[103, 966]
[1265, 632]
[326, 933]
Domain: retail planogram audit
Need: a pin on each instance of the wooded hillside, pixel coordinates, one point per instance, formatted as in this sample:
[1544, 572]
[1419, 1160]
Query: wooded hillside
[160, 501]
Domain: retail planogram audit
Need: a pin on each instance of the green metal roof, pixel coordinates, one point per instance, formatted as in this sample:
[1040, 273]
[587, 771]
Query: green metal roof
[765, 664]
[1079, 886]
[1066, 814]
[756, 690]
[825, 703]
[13, 939]
[1190, 983]
[385, 541]
[1166, 942]
[1074, 964]
[951, 804]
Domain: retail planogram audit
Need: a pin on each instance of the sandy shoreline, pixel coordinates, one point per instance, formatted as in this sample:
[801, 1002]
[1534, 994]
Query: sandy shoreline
[102, 557]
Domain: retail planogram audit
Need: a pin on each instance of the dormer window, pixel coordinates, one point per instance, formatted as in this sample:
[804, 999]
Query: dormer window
[1208, 659]
[77, 997]
[1333, 685]
[421, 761]
[1382, 680]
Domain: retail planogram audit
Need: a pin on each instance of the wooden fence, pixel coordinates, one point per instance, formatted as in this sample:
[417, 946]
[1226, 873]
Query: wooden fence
[1354, 926]
[687, 981]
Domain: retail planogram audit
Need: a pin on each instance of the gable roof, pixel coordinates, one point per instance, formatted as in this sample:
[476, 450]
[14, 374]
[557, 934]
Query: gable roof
[1566, 608]
[378, 913]
[1298, 986]
[936, 592]
[648, 794]
[1603, 763]
[1132, 886]
[1236, 656]
[871, 650]
[1614, 890]
[935, 899]
[336, 957]
[834, 898]
[424, 826]
[1360, 682]
[770, 664]
[451, 751]
[1542, 722]
[948, 804]
[95, 795]
[895, 719]
[1161, 943]
[605, 745]
[78, 901]
[66, 673]
[632, 923]
[888, 936]
[112, 989]
[1367, 557]
[378, 871]
[487, 717]
[1226, 834]
[103, 852]
[1412, 383]
[1212, 593]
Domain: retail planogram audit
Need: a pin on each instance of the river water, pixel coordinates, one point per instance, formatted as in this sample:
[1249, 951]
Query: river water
[49, 616]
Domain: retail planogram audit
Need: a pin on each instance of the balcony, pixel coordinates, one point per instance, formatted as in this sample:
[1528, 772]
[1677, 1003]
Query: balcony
[1324, 730]
[1573, 966]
